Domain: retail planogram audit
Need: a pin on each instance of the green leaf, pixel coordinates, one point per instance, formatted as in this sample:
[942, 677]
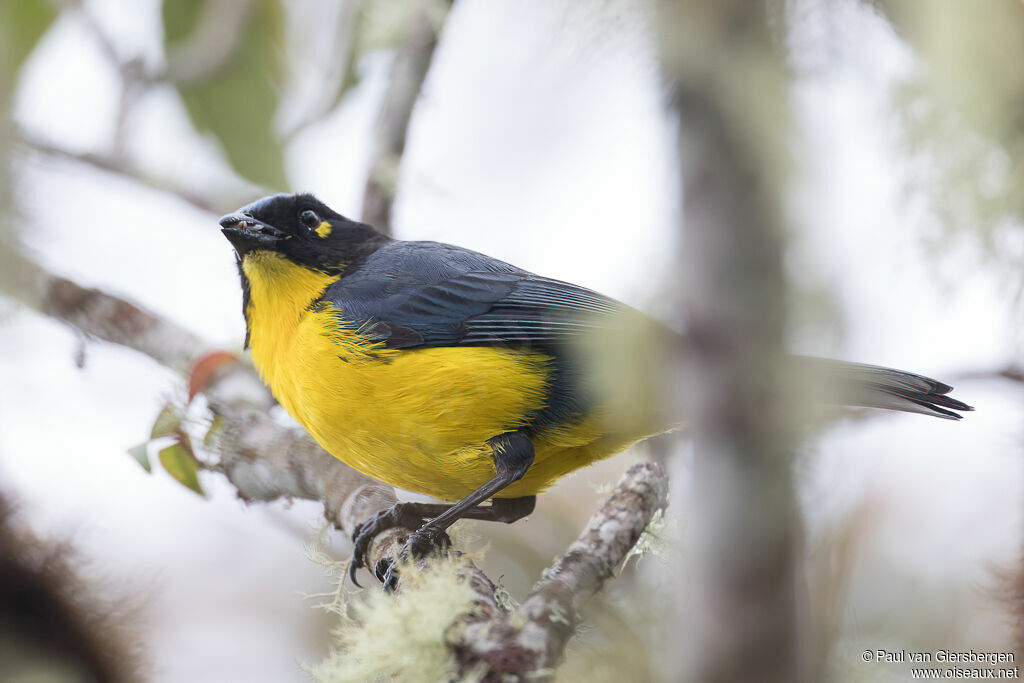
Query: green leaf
[179, 462]
[181, 18]
[167, 422]
[210, 439]
[22, 24]
[141, 455]
[236, 97]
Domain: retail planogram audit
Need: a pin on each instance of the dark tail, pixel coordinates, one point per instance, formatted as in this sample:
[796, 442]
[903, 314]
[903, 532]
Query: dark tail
[871, 386]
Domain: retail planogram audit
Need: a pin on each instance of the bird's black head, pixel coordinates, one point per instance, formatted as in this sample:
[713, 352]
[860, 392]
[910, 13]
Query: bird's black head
[303, 230]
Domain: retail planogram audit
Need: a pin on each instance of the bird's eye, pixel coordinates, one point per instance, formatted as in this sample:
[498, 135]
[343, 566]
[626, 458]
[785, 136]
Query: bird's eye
[309, 218]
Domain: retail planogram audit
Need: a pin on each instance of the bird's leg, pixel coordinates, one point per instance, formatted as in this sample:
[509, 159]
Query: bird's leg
[412, 516]
[513, 455]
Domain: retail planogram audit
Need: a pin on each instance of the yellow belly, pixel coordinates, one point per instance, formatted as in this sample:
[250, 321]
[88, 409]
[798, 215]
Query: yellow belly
[420, 419]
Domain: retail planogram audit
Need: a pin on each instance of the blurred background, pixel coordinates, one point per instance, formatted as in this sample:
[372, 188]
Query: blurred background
[540, 135]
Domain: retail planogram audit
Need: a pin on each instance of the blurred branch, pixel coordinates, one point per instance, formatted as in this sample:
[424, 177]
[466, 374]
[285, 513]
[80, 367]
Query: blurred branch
[101, 315]
[220, 27]
[212, 202]
[341, 66]
[130, 70]
[408, 71]
[729, 94]
[133, 78]
[58, 622]
[219, 31]
[1014, 373]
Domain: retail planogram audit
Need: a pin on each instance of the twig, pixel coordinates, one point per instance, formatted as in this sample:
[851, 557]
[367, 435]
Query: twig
[338, 64]
[1014, 373]
[531, 641]
[215, 203]
[406, 80]
[135, 81]
[220, 27]
[101, 315]
[210, 46]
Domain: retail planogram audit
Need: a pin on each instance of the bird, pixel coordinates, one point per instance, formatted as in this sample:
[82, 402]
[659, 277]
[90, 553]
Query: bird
[446, 372]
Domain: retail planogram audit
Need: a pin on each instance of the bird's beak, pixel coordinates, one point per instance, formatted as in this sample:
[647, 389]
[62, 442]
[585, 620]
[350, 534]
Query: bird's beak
[248, 234]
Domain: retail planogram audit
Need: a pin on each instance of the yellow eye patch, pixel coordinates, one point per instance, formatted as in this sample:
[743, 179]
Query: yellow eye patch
[324, 229]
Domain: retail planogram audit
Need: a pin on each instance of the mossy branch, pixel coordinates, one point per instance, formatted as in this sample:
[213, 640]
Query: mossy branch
[530, 641]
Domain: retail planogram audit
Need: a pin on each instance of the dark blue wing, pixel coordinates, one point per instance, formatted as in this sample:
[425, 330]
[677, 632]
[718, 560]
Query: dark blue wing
[424, 294]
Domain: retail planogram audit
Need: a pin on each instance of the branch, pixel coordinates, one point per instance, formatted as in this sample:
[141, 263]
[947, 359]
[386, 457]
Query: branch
[211, 202]
[218, 32]
[101, 315]
[340, 67]
[133, 80]
[406, 80]
[531, 641]
[729, 87]
[1013, 373]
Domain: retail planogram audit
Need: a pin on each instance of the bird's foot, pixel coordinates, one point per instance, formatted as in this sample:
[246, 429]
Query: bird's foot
[423, 542]
[399, 515]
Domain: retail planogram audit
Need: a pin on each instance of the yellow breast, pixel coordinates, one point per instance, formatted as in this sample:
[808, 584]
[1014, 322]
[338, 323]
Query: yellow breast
[417, 419]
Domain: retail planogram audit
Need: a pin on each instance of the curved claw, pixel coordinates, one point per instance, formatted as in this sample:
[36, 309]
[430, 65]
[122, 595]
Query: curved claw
[361, 539]
[355, 562]
[398, 515]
